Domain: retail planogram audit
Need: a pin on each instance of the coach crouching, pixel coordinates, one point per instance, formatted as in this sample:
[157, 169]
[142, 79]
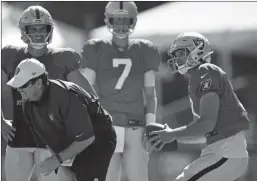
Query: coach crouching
[67, 120]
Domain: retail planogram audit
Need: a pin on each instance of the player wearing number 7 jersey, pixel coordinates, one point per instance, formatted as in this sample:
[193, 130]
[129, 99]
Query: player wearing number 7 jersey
[120, 68]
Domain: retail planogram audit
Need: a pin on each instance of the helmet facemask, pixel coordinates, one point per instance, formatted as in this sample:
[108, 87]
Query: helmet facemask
[179, 60]
[36, 39]
[192, 56]
[120, 26]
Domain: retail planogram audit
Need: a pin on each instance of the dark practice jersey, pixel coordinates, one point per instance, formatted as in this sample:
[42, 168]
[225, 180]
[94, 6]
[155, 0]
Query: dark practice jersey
[66, 113]
[120, 74]
[59, 62]
[232, 117]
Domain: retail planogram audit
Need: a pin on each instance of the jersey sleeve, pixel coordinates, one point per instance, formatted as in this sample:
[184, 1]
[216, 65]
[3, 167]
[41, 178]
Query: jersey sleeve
[89, 54]
[209, 81]
[6, 53]
[71, 60]
[151, 56]
[78, 121]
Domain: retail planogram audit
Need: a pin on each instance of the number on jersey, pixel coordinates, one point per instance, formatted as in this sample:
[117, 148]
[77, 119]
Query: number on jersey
[122, 61]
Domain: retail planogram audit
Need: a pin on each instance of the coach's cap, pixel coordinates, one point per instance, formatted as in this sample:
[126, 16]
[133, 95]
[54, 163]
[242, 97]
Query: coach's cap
[26, 70]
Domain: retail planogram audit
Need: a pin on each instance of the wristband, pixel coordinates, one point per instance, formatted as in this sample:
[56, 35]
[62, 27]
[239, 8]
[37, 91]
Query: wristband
[150, 118]
[57, 156]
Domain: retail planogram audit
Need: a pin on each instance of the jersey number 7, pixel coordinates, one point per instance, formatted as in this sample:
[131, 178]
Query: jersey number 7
[122, 61]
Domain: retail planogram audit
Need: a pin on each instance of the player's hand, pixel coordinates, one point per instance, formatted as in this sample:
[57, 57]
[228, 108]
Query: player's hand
[148, 148]
[8, 131]
[47, 166]
[164, 136]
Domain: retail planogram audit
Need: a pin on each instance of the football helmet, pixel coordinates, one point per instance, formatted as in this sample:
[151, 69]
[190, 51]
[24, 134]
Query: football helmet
[36, 15]
[121, 17]
[187, 51]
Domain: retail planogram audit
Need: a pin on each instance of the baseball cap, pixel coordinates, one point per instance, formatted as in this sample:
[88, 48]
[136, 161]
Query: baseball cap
[26, 70]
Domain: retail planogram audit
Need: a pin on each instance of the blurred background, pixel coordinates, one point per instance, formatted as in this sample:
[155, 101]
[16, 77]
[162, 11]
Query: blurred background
[231, 28]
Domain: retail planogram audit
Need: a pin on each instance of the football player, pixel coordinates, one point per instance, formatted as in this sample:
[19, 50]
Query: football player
[120, 68]
[218, 114]
[36, 27]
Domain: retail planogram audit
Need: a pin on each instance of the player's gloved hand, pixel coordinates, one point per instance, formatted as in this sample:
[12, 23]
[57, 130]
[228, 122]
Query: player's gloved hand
[156, 145]
[148, 148]
[47, 166]
[8, 131]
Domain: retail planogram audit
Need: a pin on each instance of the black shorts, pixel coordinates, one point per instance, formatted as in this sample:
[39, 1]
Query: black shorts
[94, 161]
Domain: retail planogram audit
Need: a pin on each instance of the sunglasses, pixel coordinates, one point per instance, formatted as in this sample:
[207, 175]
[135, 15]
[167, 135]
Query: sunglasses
[25, 85]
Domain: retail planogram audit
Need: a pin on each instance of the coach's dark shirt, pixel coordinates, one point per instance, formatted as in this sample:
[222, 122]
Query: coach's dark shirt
[65, 113]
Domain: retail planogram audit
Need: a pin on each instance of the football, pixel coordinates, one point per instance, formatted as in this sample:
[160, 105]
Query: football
[171, 146]
[153, 127]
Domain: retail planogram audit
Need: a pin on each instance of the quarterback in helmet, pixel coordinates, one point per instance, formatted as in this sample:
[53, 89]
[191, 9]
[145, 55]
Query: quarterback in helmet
[120, 68]
[218, 114]
[36, 27]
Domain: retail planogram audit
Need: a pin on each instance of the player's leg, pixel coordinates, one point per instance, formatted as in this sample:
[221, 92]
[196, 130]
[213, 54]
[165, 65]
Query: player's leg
[135, 157]
[42, 154]
[114, 170]
[19, 164]
[213, 167]
[231, 170]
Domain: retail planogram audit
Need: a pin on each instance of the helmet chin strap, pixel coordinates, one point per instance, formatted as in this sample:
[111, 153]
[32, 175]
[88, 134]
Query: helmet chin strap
[121, 36]
[38, 47]
[183, 69]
